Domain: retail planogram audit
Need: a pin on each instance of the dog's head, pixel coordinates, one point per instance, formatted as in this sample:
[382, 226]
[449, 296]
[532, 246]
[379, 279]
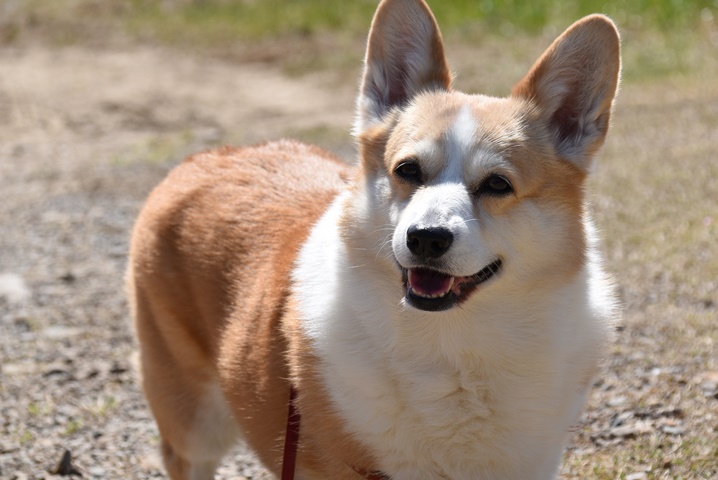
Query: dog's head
[477, 190]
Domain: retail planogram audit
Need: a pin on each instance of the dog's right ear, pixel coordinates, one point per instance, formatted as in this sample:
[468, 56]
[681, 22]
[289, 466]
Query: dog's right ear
[405, 55]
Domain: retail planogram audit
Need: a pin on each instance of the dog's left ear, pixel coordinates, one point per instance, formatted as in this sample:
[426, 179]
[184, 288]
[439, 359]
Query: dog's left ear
[573, 85]
[405, 55]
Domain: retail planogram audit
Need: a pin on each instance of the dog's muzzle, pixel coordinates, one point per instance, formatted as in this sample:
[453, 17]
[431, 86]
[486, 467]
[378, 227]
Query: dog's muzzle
[435, 291]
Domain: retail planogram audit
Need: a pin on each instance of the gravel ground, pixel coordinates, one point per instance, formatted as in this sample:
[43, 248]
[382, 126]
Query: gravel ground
[85, 134]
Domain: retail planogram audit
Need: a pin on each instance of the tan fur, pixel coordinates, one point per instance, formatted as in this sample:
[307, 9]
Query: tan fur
[587, 54]
[213, 250]
[209, 281]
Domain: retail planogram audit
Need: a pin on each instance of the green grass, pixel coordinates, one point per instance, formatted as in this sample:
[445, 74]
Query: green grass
[155, 149]
[661, 37]
[224, 21]
[72, 427]
[102, 407]
[251, 19]
[25, 437]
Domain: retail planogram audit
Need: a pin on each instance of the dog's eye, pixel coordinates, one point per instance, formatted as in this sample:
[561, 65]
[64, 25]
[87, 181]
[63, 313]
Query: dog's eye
[409, 171]
[495, 185]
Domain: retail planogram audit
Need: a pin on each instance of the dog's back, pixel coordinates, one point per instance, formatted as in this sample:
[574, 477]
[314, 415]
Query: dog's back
[219, 235]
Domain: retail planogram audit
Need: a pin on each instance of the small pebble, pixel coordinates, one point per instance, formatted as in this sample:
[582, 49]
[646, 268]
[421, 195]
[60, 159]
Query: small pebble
[96, 471]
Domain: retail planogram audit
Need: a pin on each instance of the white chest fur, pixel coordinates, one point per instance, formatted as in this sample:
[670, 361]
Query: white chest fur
[483, 392]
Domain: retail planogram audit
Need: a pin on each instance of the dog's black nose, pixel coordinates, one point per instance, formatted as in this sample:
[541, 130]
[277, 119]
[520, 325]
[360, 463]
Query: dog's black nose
[431, 242]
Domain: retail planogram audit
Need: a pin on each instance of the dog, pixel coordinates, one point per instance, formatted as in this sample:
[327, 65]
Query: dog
[439, 310]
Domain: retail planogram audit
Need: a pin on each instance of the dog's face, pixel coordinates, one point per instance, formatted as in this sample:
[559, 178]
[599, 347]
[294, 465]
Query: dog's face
[479, 190]
[473, 194]
[466, 197]
[444, 179]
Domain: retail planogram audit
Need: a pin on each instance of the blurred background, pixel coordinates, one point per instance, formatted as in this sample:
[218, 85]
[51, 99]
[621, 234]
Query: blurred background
[100, 98]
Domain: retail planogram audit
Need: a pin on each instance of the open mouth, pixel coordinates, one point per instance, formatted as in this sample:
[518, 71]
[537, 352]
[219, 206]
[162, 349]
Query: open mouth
[434, 291]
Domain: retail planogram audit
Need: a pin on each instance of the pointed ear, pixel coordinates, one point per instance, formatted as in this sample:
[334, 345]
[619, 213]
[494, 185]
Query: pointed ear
[573, 85]
[405, 55]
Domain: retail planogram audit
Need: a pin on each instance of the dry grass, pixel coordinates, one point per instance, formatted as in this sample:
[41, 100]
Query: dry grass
[656, 192]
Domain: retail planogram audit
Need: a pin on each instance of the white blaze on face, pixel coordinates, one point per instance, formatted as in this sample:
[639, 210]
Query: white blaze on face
[459, 144]
[445, 202]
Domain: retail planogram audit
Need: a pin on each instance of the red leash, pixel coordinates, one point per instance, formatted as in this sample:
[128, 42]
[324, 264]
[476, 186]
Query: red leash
[291, 438]
[291, 444]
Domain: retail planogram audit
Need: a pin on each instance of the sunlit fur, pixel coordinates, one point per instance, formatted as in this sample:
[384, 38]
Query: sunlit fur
[253, 268]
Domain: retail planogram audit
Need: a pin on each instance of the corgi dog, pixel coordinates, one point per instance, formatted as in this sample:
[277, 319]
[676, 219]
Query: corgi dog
[439, 309]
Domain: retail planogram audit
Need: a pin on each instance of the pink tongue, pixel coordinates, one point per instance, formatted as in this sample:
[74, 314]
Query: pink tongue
[428, 282]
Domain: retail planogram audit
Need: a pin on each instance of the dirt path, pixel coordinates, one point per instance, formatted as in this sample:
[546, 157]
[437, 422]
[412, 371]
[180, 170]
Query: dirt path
[84, 135]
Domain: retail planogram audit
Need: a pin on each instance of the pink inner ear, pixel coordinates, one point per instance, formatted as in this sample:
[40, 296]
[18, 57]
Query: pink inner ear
[405, 55]
[573, 85]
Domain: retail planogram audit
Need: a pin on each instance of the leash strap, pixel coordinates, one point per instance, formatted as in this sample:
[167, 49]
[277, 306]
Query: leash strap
[291, 438]
[291, 444]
